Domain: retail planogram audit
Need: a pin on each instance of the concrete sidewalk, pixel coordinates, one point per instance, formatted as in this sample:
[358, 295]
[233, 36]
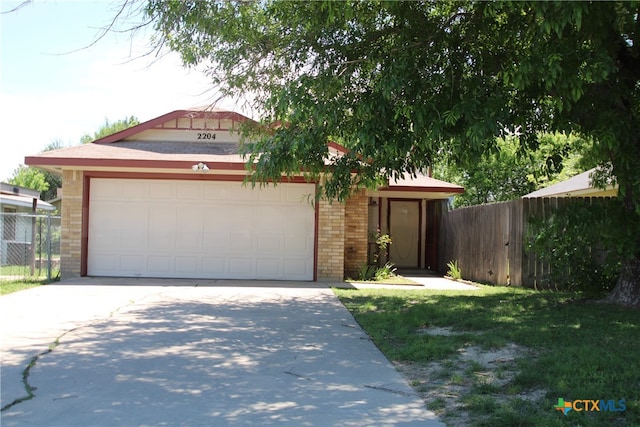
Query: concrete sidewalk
[201, 354]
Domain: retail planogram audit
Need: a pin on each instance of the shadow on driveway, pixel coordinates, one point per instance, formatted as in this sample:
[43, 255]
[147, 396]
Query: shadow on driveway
[204, 356]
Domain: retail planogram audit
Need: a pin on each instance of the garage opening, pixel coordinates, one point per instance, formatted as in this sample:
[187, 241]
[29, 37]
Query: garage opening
[200, 229]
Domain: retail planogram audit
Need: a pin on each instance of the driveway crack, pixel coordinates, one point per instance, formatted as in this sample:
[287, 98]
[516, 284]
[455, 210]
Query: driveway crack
[298, 375]
[29, 389]
[390, 390]
[27, 371]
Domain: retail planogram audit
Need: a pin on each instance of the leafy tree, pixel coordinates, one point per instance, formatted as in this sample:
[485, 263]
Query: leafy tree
[583, 243]
[510, 172]
[54, 181]
[497, 176]
[110, 128]
[27, 177]
[47, 182]
[400, 82]
[37, 179]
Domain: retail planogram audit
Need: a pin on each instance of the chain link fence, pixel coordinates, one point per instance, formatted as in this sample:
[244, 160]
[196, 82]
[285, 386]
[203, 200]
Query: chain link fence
[29, 247]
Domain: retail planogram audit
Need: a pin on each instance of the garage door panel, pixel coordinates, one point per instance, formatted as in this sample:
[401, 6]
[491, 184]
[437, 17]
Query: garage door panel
[268, 267]
[296, 267]
[188, 241]
[134, 264]
[271, 195]
[213, 266]
[159, 264]
[107, 262]
[241, 193]
[161, 228]
[299, 194]
[162, 191]
[187, 265]
[240, 242]
[107, 190]
[110, 219]
[215, 242]
[188, 190]
[239, 217]
[217, 192]
[269, 242]
[189, 229]
[297, 244]
[134, 190]
[241, 267]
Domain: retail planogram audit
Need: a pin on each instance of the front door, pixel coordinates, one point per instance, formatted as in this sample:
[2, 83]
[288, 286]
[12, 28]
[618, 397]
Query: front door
[404, 230]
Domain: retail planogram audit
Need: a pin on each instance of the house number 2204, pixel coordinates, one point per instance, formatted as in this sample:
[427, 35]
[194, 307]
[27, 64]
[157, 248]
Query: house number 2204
[206, 135]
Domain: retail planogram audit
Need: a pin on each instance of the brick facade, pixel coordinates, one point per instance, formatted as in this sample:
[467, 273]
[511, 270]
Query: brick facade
[330, 240]
[71, 238]
[355, 233]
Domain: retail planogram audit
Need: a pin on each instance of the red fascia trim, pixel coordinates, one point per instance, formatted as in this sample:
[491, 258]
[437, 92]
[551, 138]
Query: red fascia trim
[424, 189]
[131, 163]
[211, 176]
[338, 147]
[174, 115]
[172, 164]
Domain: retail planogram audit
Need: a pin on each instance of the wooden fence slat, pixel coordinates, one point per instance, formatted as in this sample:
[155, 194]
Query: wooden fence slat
[490, 241]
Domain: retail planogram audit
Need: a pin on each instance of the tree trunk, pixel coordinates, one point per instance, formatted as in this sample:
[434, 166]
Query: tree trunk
[627, 290]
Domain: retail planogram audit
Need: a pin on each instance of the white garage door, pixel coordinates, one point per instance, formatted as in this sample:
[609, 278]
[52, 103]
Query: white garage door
[200, 229]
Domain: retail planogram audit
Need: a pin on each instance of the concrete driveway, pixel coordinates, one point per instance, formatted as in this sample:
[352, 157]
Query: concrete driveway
[150, 353]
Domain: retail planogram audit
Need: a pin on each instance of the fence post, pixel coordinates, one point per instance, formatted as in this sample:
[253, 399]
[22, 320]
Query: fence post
[48, 242]
[33, 236]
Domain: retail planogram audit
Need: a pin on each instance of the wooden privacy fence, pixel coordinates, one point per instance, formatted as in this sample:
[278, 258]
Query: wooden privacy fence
[490, 244]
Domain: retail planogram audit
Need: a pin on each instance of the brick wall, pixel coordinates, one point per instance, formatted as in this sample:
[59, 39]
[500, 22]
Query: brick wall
[330, 240]
[71, 238]
[355, 235]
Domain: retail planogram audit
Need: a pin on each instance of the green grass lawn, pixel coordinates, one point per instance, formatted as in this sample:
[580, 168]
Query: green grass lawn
[561, 348]
[10, 286]
[15, 278]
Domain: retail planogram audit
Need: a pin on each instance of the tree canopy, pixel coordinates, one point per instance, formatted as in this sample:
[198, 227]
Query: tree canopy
[401, 84]
[109, 128]
[46, 182]
[506, 173]
[27, 177]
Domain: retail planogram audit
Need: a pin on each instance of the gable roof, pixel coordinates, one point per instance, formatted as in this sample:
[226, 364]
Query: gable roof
[166, 142]
[176, 141]
[180, 119]
[577, 186]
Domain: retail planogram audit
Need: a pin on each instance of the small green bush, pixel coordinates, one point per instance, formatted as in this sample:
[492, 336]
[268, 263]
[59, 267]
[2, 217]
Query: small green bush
[454, 271]
[367, 272]
[370, 272]
[584, 244]
[386, 271]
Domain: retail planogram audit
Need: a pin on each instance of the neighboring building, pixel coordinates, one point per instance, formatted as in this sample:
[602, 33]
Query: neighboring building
[56, 202]
[16, 226]
[165, 199]
[578, 186]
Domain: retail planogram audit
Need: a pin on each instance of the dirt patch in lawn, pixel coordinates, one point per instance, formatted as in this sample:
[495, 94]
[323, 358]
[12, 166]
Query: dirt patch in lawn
[449, 387]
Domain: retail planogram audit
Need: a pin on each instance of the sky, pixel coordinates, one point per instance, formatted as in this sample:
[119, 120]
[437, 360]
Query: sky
[56, 85]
